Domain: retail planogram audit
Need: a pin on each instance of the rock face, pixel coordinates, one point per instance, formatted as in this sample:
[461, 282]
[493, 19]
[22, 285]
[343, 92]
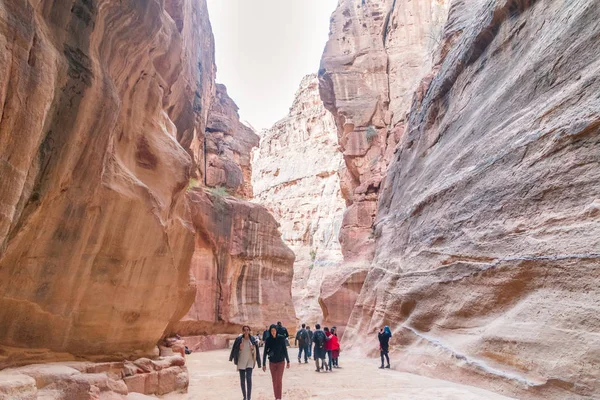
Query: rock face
[89, 381]
[229, 145]
[100, 103]
[488, 229]
[243, 270]
[296, 177]
[375, 57]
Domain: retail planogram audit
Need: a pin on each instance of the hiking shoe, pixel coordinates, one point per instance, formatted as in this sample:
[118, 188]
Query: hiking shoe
[317, 370]
[305, 361]
[387, 366]
[299, 360]
[381, 367]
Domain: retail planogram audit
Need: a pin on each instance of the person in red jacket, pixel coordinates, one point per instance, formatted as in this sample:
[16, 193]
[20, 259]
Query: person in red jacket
[329, 348]
[335, 348]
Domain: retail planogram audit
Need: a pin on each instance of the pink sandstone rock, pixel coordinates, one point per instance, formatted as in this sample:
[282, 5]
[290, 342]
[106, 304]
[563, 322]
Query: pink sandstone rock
[229, 146]
[242, 268]
[296, 178]
[487, 263]
[375, 57]
[100, 106]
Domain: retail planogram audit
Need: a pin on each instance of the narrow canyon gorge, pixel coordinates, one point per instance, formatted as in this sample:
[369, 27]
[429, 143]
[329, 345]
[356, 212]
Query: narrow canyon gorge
[439, 173]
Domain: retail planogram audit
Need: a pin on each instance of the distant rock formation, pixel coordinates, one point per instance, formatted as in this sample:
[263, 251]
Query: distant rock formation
[296, 177]
[242, 268]
[229, 145]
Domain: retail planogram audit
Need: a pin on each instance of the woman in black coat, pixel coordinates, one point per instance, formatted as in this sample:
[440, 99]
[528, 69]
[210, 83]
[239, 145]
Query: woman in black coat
[245, 353]
[276, 349]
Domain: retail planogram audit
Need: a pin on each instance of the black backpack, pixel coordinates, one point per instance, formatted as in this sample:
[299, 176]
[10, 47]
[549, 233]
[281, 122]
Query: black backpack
[302, 336]
[319, 339]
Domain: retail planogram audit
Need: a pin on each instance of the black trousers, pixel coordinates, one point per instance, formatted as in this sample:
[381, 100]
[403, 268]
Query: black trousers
[384, 353]
[246, 382]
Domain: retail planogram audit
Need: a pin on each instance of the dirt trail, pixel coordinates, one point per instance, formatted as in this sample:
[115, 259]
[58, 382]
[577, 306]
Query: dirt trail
[213, 377]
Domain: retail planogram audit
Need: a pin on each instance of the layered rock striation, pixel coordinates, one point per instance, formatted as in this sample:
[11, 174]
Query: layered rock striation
[375, 57]
[242, 268]
[487, 264]
[100, 108]
[296, 177]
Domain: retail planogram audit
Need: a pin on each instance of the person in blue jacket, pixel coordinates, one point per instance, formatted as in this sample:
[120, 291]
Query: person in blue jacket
[384, 345]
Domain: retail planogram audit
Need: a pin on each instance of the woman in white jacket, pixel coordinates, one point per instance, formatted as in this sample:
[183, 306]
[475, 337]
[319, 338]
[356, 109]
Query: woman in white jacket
[245, 354]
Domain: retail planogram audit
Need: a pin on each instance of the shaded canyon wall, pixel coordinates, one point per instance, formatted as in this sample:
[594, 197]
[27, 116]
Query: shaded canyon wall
[100, 104]
[487, 263]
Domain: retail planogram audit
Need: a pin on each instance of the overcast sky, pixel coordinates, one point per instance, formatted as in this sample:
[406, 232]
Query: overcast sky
[264, 48]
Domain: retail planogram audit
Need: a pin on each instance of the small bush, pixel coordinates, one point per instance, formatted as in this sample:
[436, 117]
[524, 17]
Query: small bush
[220, 191]
[193, 183]
[313, 255]
[371, 133]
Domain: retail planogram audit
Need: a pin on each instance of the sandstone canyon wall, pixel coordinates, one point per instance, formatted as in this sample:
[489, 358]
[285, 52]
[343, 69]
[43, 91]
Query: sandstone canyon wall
[375, 57]
[101, 103]
[229, 145]
[242, 268]
[296, 177]
[487, 262]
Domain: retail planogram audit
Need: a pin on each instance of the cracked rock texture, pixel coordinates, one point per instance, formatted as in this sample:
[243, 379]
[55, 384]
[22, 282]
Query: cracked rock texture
[101, 105]
[487, 262]
[296, 177]
[242, 268]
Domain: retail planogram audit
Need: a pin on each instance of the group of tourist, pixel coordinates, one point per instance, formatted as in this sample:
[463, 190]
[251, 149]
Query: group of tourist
[319, 344]
[245, 352]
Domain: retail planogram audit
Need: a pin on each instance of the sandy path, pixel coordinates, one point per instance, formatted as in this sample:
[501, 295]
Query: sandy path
[212, 376]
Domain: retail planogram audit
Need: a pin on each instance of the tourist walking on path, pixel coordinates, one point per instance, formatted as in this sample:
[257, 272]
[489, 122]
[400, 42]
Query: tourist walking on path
[282, 330]
[384, 345]
[329, 347]
[310, 341]
[335, 347]
[276, 349]
[319, 340]
[245, 353]
[302, 343]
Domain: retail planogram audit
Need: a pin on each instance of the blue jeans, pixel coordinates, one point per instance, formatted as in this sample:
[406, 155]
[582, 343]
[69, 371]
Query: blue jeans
[310, 349]
[303, 348]
[329, 357]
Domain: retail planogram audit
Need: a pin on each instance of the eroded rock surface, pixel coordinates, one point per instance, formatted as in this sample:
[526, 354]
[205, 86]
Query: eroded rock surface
[488, 230]
[229, 145]
[296, 177]
[100, 104]
[376, 55]
[242, 268]
[89, 381]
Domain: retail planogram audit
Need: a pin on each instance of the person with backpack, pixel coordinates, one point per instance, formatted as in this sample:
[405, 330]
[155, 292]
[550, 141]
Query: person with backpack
[310, 341]
[319, 340]
[282, 330]
[276, 349]
[245, 353]
[265, 334]
[302, 343]
[384, 344]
